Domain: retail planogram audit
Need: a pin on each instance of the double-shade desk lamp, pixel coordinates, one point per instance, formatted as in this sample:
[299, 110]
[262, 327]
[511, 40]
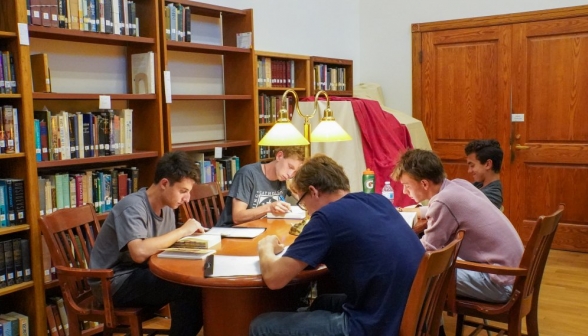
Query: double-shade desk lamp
[284, 133]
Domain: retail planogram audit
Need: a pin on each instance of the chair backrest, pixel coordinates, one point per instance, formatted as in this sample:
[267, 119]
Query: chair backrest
[70, 235]
[424, 307]
[205, 205]
[535, 257]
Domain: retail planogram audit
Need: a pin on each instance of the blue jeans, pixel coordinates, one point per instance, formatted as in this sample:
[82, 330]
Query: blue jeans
[143, 289]
[478, 285]
[325, 317]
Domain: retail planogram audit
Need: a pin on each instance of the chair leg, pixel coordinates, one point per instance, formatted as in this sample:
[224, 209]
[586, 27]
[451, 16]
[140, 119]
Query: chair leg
[136, 327]
[514, 325]
[532, 322]
[487, 331]
[459, 325]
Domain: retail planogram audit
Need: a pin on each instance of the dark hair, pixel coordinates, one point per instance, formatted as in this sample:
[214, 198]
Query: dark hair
[486, 150]
[420, 164]
[292, 152]
[321, 172]
[176, 166]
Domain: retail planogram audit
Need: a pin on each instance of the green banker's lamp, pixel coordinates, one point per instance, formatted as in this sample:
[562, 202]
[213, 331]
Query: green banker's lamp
[283, 133]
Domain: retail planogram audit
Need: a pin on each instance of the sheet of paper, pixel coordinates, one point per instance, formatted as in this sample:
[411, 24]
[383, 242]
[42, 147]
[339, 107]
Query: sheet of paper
[104, 102]
[167, 86]
[229, 266]
[295, 213]
[234, 232]
[409, 217]
[23, 33]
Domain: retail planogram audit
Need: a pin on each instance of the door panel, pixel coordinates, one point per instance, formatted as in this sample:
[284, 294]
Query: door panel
[550, 149]
[466, 92]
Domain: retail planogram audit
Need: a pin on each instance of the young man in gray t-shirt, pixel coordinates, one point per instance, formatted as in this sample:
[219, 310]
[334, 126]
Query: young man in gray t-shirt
[259, 188]
[139, 226]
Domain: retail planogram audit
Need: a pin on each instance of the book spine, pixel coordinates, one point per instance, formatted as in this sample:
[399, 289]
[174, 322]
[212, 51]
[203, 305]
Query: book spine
[18, 263]
[25, 252]
[2, 267]
[9, 262]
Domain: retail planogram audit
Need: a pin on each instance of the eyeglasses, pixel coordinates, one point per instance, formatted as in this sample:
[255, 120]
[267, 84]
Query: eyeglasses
[301, 205]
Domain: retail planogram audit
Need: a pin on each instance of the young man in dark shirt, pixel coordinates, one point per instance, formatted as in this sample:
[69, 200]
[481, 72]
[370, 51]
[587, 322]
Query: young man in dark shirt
[484, 158]
[367, 246]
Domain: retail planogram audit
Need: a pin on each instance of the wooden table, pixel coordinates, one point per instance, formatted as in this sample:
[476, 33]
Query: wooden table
[230, 304]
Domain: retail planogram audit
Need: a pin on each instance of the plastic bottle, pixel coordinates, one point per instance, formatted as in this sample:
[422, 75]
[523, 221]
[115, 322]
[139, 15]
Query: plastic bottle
[369, 181]
[388, 192]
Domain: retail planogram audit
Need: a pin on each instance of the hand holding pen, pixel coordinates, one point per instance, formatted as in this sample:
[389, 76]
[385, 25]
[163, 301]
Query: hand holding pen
[279, 207]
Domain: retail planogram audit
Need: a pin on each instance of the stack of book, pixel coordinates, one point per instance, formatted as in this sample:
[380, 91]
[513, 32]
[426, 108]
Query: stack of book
[203, 241]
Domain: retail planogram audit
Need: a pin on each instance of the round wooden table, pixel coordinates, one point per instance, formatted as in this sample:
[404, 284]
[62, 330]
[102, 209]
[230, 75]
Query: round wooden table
[231, 303]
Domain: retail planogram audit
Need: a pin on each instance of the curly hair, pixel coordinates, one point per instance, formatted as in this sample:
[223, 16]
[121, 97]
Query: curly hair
[321, 172]
[486, 149]
[176, 166]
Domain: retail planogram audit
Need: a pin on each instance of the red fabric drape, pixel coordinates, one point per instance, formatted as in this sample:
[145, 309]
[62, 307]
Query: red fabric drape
[383, 139]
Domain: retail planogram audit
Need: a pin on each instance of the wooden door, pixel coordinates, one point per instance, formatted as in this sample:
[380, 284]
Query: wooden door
[550, 148]
[465, 93]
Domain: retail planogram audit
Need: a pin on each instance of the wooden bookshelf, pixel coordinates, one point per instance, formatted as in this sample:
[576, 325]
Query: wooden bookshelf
[301, 78]
[148, 143]
[238, 79]
[334, 62]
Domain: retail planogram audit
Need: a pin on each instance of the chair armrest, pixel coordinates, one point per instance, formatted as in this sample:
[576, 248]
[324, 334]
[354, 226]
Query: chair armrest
[494, 269]
[63, 273]
[80, 273]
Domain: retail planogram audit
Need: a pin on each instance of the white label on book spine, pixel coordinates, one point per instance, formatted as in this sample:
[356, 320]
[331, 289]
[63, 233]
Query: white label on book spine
[23, 33]
[104, 102]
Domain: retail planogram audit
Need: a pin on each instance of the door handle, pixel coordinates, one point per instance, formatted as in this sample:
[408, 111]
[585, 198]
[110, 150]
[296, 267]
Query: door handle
[521, 147]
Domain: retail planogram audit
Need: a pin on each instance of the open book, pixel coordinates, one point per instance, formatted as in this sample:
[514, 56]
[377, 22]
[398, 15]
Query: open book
[409, 216]
[295, 213]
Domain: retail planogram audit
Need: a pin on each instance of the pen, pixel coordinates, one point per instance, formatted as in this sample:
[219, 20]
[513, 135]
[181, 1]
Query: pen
[283, 199]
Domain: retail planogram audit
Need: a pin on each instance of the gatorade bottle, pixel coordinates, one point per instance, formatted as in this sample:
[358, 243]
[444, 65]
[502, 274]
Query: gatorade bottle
[388, 192]
[369, 181]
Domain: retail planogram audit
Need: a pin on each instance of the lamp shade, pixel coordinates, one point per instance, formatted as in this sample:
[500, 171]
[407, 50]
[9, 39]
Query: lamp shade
[283, 134]
[329, 131]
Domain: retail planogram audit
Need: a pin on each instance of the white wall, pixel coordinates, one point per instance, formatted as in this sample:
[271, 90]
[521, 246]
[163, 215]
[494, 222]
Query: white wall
[385, 38]
[328, 28]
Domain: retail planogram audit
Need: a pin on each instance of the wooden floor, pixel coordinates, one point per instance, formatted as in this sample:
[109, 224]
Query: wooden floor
[563, 303]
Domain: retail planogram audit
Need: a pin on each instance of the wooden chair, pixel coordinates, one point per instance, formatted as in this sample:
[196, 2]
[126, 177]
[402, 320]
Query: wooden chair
[70, 235]
[205, 205]
[424, 308]
[524, 299]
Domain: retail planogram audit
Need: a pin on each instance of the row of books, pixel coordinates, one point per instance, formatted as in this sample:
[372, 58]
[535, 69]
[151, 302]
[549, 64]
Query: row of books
[269, 108]
[9, 130]
[178, 25]
[7, 73]
[103, 16]
[12, 202]
[14, 324]
[265, 152]
[65, 135]
[275, 73]
[57, 321]
[328, 77]
[103, 188]
[15, 262]
[218, 170]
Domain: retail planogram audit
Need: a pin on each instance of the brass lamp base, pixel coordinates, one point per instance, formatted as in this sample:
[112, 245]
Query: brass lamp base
[297, 228]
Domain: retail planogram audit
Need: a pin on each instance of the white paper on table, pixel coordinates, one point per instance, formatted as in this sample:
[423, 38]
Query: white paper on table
[230, 266]
[409, 217]
[236, 232]
[295, 213]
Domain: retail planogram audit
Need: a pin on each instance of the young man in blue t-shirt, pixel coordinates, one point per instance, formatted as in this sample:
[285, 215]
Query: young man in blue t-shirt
[365, 243]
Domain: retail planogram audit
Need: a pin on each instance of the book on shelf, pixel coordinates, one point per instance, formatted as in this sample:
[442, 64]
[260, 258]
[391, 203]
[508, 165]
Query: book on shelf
[11, 323]
[8, 262]
[46, 257]
[7, 130]
[3, 206]
[201, 241]
[25, 252]
[58, 301]
[185, 253]
[41, 74]
[51, 324]
[143, 72]
[22, 325]
[17, 257]
[13, 190]
[2, 266]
